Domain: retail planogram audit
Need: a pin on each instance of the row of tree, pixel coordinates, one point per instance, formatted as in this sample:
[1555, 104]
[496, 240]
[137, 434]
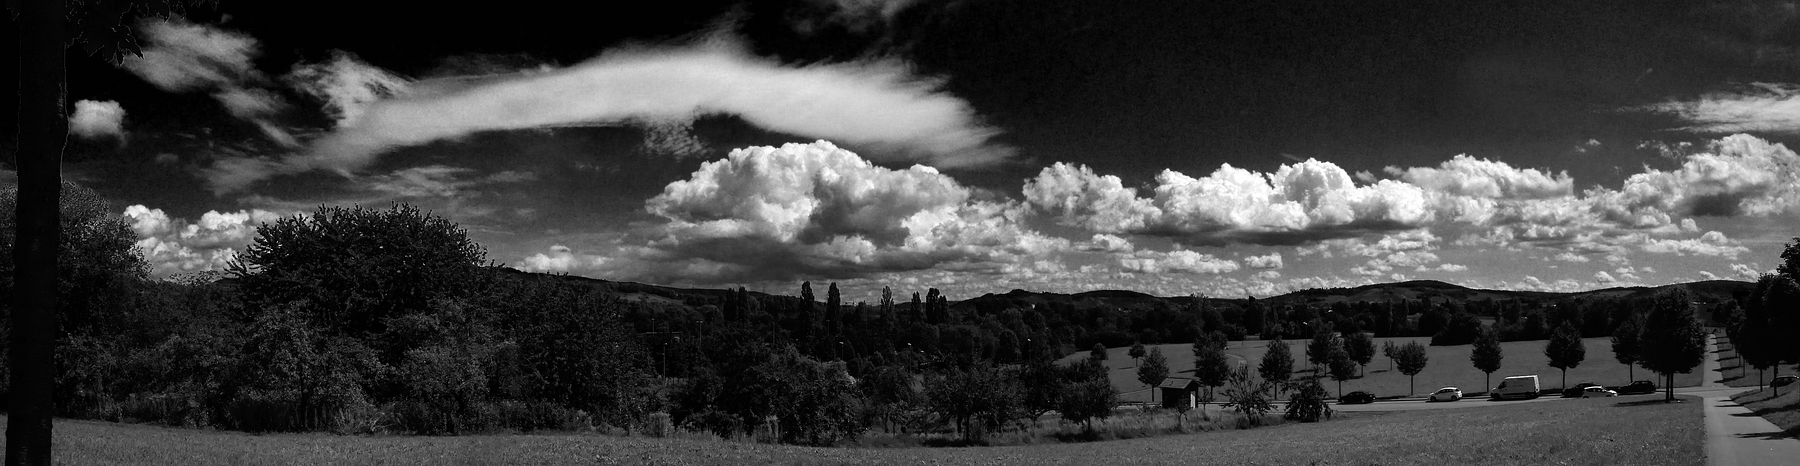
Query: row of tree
[1765, 331]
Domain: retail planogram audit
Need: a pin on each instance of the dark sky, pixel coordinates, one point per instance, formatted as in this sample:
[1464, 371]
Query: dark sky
[1124, 88]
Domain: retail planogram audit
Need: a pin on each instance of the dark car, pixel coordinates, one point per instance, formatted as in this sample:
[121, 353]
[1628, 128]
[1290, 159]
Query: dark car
[1357, 398]
[1638, 388]
[1575, 391]
[1783, 381]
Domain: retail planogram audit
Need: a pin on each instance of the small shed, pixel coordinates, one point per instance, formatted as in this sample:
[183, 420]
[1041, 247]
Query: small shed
[1179, 392]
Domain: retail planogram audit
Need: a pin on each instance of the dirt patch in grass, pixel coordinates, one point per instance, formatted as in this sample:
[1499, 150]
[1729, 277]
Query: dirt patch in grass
[1593, 431]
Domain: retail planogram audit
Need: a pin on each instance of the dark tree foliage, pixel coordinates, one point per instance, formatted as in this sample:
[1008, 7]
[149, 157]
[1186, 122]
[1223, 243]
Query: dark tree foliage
[1098, 353]
[976, 399]
[1361, 348]
[1248, 396]
[1154, 369]
[1136, 352]
[1340, 366]
[1211, 366]
[1308, 403]
[1085, 399]
[1486, 355]
[1318, 350]
[1626, 343]
[355, 268]
[1673, 340]
[1460, 329]
[1565, 349]
[1412, 359]
[1277, 364]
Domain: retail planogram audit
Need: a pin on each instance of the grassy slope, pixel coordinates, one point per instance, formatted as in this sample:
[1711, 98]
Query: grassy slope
[1783, 411]
[1561, 432]
[1736, 375]
[1448, 366]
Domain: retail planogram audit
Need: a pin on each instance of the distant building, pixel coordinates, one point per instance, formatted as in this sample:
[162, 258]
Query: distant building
[1179, 392]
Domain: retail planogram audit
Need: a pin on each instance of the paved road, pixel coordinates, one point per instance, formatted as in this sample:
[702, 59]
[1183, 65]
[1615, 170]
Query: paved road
[1735, 435]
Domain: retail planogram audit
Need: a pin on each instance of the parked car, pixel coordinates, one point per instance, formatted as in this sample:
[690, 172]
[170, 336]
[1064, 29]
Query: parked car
[1357, 398]
[1518, 386]
[1576, 390]
[1638, 388]
[1783, 381]
[1446, 394]
[1597, 392]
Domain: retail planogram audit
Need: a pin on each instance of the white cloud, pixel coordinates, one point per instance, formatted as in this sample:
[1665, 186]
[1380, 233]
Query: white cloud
[1712, 243]
[1705, 275]
[818, 210]
[1269, 261]
[176, 245]
[97, 119]
[1571, 257]
[1747, 271]
[1467, 176]
[916, 120]
[346, 85]
[1760, 107]
[188, 57]
[1604, 278]
[1178, 261]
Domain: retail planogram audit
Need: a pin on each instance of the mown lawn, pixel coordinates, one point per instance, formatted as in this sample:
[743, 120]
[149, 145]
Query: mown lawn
[1595, 431]
[1448, 366]
[1783, 411]
[1735, 374]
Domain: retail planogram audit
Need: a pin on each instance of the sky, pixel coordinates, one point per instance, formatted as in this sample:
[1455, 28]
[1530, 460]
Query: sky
[978, 146]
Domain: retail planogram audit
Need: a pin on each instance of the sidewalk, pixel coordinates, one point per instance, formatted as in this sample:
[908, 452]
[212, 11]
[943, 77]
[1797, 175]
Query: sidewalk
[1734, 434]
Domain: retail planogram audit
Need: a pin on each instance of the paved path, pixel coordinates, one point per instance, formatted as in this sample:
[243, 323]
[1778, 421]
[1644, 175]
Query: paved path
[1735, 435]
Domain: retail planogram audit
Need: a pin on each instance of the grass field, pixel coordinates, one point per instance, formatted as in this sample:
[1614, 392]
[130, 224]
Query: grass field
[1448, 366]
[1736, 375]
[1594, 431]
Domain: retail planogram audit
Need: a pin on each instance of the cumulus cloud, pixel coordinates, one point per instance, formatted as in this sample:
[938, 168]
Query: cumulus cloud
[1764, 107]
[818, 210]
[176, 245]
[97, 119]
[876, 103]
[1269, 261]
[1467, 176]
[1746, 271]
[1178, 261]
[1712, 243]
[1604, 278]
[188, 57]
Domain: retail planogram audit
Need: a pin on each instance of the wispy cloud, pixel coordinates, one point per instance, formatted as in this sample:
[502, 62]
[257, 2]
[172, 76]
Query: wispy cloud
[1758, 107]
[188, 57]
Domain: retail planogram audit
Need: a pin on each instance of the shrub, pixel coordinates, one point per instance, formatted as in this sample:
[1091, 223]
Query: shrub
[1308, 403]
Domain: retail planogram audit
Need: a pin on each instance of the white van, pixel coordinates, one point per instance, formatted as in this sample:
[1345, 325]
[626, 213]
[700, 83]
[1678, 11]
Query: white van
[1518, 386]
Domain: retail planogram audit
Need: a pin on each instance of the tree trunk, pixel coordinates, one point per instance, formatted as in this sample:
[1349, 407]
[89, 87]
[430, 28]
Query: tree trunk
[43, 129]
[1669, 387]
[1630, 373]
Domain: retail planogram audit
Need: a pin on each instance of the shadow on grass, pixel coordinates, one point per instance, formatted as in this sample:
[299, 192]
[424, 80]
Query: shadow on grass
[1658, 401]
[1776, 435]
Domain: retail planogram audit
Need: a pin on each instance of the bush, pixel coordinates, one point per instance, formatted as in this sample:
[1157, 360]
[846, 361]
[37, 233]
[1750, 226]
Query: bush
[1308, 403]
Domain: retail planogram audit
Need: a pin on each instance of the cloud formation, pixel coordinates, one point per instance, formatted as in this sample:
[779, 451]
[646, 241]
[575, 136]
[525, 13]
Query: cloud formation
[97, 119]
[817, 210]
[878, 103]
[1758, 107]
[188, 57]
[1177, 261]
[176, 245]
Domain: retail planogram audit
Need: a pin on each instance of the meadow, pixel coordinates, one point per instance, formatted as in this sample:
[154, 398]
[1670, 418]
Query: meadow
[1640, 431]
[1448, 366]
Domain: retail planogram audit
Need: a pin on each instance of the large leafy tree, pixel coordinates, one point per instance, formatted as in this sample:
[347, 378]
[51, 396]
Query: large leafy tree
[1565, 349]
[1673, 340]
[355, 267]
[1361, 348]
[1412, 359]
[1154, 368]
[1626, 343]
[46, 29]
[1211, 366]
[1486, 354]
[1277, 364]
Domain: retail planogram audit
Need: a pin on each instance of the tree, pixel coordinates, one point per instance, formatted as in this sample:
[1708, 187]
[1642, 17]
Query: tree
[1248, 396]
[1486, 355]
[1460, 329]
[1341, 367]
[46, 29]
[1781, 306]
[1673, 341]
[1086, 394]
[1210, 364]
[1565, 349]
[1387, 350]
[1137, 352]
[1318, 351]
[1098, 353]
[1361, 347]
[1308, 403]
[1154, 369]
[1277, 364]
[1411, 358]
[1626, 343]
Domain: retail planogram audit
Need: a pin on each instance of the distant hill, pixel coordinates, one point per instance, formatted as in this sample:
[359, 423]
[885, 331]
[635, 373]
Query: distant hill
[1705, 292]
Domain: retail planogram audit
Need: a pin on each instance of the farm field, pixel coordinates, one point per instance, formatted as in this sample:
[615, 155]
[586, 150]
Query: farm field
[1448, 366]
[1564, 431]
